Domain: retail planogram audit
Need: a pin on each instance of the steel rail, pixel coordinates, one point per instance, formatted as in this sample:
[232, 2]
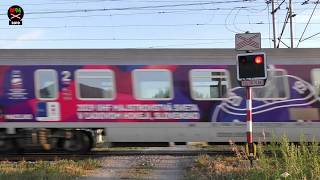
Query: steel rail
[99, 154]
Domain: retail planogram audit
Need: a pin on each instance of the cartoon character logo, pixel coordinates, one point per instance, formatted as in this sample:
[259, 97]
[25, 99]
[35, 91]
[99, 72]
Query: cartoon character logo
[270, 103]
[15, 15]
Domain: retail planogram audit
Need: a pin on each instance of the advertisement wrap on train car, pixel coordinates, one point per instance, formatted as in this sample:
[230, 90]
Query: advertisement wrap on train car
[157, 93]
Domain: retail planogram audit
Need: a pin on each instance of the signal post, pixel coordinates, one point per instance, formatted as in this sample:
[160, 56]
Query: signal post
[251, 72]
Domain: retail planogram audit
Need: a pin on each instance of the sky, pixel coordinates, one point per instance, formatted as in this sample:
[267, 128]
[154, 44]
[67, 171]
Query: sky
[60, 24]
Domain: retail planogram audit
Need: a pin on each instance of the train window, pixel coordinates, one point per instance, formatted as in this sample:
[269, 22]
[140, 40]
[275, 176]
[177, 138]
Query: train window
[276, 88]
[95, 84]
[209, 84]
[155, 84]
[46, 84]
[315, 76]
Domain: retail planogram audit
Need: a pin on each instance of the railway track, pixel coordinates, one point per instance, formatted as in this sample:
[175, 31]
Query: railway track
[99, 154]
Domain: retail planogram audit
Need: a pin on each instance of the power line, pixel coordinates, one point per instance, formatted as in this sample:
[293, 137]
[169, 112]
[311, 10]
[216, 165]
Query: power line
[310, 36]
[142, 1]
[307, 23]
[121, 1]
[163, 11]
[226, 22]
[234, 23]
[137, 25]
[186, 44]
[249, 8]
[124, 25]
[119, 39]
[57, 3]
[129, 39]
[190, 11]
[132, 8]
[172, 8]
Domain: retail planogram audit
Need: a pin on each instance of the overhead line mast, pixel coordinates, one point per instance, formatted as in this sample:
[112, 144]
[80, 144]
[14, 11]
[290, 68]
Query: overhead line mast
[288, 18]
[273, 25]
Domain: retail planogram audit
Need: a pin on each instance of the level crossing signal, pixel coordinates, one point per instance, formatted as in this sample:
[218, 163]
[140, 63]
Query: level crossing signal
[252, 69]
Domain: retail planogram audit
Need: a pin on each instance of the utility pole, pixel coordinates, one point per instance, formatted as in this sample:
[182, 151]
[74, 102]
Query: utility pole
[273, 24]
[290, 16]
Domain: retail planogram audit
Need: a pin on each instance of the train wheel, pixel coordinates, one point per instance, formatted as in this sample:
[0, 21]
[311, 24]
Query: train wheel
[47, 143]
[6, 144]
[80, 142]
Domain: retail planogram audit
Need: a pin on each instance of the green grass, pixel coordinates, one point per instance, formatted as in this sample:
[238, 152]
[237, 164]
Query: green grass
[287, 161]
[299, 161]
[45, 170]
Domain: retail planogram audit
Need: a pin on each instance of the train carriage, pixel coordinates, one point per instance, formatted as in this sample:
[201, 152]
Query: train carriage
[67, 98]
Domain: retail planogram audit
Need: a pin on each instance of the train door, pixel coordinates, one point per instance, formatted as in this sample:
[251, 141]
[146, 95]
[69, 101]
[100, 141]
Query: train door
[46, 91]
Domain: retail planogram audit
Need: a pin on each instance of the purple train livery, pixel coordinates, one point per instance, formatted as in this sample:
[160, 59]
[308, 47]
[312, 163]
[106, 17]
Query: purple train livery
[69, 98]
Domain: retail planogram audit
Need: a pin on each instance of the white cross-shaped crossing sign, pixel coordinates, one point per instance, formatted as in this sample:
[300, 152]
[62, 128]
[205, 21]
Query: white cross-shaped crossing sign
[248, 41]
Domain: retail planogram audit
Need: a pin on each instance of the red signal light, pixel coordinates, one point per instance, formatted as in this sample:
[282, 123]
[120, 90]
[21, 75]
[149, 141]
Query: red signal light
[258, 59]
[243, 60]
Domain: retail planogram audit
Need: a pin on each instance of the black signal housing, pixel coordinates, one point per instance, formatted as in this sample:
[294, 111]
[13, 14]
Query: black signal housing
[251, 66]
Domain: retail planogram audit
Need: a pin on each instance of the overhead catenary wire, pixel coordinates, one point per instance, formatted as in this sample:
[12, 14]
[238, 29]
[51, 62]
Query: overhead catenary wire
[126, 1]
[157, 11]
[131, 8]
[307, 23]
[92, 1]
[172, 11]
[182, 10]
[234, 22]
[126, 39]
[124, 25]
[310, 36]
[187, 44]
[138, 8]
[249, 8]
[135, 25]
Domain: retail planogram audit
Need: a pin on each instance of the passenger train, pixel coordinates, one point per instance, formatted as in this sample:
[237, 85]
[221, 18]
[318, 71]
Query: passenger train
[66, 99]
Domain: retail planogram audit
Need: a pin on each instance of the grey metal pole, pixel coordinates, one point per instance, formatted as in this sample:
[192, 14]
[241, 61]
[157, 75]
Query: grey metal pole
[290, 16]
[273, 25]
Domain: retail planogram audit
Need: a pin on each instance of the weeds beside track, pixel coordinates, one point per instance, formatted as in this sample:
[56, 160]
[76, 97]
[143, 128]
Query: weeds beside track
[283, 160]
